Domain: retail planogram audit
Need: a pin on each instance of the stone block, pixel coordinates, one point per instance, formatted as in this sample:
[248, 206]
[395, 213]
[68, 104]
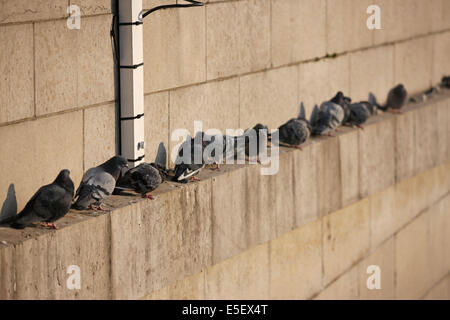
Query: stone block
[244, 277]
[40, 149]
[349, 160]
[156, 124]
[296, 263]
[372, 70]
[413, 64]
[411, 258]
[95, 61]
[22, 10]
[298, 30]
[56, 66]
[16, 68]
[238, 45]
[269, 97]
[174, 49]
[345, 239]
[99, 135]
[377, 156]
[384, 258]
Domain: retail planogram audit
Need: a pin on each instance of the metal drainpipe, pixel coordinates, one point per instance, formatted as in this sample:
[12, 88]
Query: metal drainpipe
[131, 81]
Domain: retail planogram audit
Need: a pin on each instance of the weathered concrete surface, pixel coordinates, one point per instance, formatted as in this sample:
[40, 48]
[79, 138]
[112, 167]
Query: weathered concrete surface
[298, 30]
[16, 66]
[145, 246]
[238, 45]
[22, 10]
[174, 49]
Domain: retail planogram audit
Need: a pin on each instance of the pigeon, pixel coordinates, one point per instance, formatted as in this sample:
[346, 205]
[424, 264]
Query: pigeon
[98, 183]
[396, 99]
[345, 103]
[186, 169]
[234, 147]
[142, 179]
[445, 82]
[330, 115]
[50, 203]
[259, 135]
[218, 148]
[296, 131]
[359, 113]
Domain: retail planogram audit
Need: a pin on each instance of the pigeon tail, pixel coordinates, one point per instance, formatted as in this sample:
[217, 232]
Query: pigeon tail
[85, 198]
[373, 101]
[7, 222]
[302, 113]
[314, 115]
[161, 156]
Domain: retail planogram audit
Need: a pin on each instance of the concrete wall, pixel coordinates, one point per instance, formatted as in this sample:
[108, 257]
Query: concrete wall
[57, 93]
[234, 63]
[375, 196]
[230, 64]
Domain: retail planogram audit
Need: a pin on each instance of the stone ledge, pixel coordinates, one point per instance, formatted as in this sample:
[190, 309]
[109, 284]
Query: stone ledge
[143, 245]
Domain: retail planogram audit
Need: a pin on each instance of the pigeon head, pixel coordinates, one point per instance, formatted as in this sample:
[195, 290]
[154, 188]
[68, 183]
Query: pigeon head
[445, 82]
[259, 127]
[262, 130]
[115, 165]
[400, 89]
[339, 98]
[63, 180]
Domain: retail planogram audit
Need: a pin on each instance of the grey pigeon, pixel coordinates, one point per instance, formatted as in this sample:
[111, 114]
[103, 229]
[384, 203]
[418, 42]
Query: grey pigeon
[258, 135]
[142, 179]
[234, 147]
[428, 94]
[359, 113]
[445, 82]
[189, 168]
[345, 103]
[218, 148]
[50, 203]
[98, 184]
[330, 116]
[396, 99]
[296, 131]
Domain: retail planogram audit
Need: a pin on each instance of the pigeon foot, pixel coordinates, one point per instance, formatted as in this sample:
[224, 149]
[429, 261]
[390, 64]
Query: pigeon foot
[360, 126]
[97, 208]
[299, 148]
[51, 226]
[194, 178]
[148, 196]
